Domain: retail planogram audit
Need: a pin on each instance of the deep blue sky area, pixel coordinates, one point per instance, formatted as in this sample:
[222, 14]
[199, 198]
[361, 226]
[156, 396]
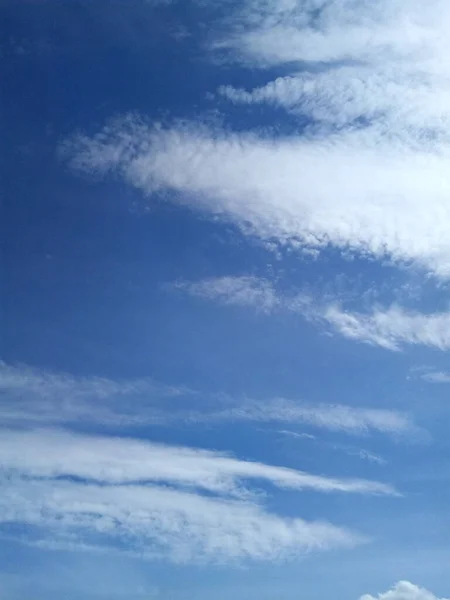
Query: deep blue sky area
[224, 300]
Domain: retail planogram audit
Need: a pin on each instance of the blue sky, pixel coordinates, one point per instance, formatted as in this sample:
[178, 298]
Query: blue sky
[225, 316]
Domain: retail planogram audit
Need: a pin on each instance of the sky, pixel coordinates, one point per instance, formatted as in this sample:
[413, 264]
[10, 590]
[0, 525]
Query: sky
[225, 275]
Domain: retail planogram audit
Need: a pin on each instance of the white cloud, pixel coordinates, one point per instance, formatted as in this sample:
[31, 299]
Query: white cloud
[46, 397]
[391, 328]
[436, 377]
[403, 590]
[49, 385]
[161, 522]
[334, 417]
[74, 491]
[39, 397]
[48, 453]
[238, 291]
[351, 190]
[349, 450]
[370, 173]
[383, 33]
[341, 96]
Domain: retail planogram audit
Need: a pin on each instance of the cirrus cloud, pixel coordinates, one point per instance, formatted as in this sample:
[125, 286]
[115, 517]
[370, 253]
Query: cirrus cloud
[359, 193]
[84, 492]
[53, 454]
[365, 169]
[42, 398]
[158, 522]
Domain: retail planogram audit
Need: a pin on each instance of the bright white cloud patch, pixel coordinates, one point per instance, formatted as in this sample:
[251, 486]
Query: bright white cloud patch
[344, 95]
[384, 31]
[355, 190]
[368, 175]
[403, 590]
[98, 492]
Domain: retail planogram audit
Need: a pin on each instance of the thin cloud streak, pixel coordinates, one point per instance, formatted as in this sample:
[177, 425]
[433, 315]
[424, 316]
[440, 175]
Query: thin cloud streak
[392, 328]
[36, 397]
[234, 291]
[436, 377]
[389, 328]
[54, 454]
[44, 397]
[334, 417]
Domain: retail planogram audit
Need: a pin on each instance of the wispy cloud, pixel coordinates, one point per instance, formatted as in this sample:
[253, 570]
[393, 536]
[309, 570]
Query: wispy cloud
[352, 64]
[101, 492]
[346, 448]
[41, 398]
[342, 95]
[48, 453]
[334, 417]
[367, 174]
[403, 590]
[48, 384]
[436, 376]
[358, 193]
[153, 522]
[235, 291]
[390, 328]
[272, 32]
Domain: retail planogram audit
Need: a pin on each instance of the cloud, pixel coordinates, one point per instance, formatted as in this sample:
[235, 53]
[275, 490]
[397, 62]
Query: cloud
[273, 32]
[38, 397]
[403, 590]
[334, 417]
[436, 377]
[374, 60]
[392, 327]
[349, 450]
[234, 291]
[365, 168]
[90, 492]
[49, 453]
[341, 96]
[158, 522]
[352, 191]
[48, 384]
[388, 328]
